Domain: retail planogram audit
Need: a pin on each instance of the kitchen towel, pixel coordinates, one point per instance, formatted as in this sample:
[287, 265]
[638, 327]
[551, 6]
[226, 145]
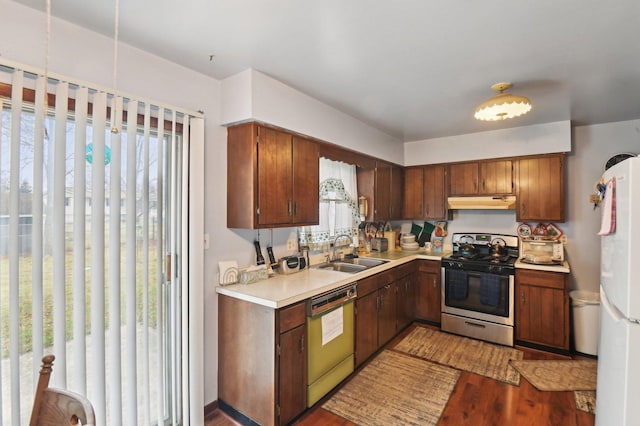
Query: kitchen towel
[490, 289]
[457, 284]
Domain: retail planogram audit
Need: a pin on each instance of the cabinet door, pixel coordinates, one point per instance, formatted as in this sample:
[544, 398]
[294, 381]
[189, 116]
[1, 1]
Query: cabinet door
[382, 201]
[428, 291]
[463, 179]
[306, 178]
[413, 193]
[366, 326]
[540, 189]
[275, 187]
[387, 314]
[293, 374]
[435, 203]
[496, 177]
[542, 308]
[397, 186]
[406, 300]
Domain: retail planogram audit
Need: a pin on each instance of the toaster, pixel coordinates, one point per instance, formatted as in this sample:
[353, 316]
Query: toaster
[379, 244]
[291, 264]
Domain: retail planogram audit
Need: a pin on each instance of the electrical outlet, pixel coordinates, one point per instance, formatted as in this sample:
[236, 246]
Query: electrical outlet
[291, 245]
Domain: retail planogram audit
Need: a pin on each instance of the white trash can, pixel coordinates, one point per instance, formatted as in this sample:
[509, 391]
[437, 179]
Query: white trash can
[586, 320]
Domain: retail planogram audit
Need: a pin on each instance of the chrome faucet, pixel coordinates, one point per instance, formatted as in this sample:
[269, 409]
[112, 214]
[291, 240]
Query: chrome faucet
[335, 241]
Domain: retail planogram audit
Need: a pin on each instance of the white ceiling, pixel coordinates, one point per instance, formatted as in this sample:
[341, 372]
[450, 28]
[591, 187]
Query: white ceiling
[413, 68]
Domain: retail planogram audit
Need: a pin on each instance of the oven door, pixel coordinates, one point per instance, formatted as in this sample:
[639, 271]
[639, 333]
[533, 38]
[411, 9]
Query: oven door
[479, 295]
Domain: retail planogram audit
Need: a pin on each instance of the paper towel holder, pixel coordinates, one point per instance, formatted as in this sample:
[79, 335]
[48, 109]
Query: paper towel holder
[363, 207]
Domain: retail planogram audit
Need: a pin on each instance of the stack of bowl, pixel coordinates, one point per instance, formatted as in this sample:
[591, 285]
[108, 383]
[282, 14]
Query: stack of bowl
[408, 242]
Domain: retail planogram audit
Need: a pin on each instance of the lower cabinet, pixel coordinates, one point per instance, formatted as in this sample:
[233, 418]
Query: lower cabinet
[292, 365]
[375, 314]
[387, 313]
[262, 368]
[406, 294]
[428, 291]
[542, 308]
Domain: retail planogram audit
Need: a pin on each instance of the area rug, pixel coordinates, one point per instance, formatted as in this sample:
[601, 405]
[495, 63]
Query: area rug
[585, 401]
[559, 375]
[395, 389]
[471, 355]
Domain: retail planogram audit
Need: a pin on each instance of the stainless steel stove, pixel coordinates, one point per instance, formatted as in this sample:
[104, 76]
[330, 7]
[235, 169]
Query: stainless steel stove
[478, 286]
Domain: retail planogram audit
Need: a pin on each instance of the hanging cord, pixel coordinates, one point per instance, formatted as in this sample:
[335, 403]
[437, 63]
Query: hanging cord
[116, 29]
[47, 48]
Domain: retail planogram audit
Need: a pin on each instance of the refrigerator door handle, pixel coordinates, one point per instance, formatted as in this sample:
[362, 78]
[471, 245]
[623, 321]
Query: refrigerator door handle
[613, 312]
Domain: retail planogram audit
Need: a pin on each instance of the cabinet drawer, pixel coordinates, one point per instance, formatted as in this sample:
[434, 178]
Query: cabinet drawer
[292, 316]
[404, 270]
[546, 279]
[432, 266]
[374, 282]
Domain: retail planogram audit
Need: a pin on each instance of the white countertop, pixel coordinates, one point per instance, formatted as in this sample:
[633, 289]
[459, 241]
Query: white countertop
[283, 290]
[562, 268]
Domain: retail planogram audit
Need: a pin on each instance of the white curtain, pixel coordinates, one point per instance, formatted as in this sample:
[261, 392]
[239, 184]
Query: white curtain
[338, 205]
[95, 227]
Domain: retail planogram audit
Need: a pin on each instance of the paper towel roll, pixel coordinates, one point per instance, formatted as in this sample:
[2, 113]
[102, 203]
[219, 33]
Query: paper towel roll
[391, 237]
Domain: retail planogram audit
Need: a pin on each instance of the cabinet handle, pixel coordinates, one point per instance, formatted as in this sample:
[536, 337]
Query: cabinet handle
[295, 208]
[302, 344]
[522, 296]
[290, 207]
[434, 283]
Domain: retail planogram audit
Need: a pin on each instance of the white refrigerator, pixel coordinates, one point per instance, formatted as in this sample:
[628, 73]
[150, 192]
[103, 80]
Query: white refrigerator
[618, 389]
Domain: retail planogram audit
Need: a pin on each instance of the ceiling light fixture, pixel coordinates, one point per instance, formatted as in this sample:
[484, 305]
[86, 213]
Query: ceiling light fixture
[502, 105]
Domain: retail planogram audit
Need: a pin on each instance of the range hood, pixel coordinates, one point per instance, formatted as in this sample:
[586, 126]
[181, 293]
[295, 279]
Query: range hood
[482, 203]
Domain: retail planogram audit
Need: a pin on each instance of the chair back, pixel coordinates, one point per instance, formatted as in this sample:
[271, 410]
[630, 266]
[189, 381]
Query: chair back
[58, 407]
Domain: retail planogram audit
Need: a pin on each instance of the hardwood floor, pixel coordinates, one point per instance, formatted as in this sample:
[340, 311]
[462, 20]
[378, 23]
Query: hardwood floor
[477, 400]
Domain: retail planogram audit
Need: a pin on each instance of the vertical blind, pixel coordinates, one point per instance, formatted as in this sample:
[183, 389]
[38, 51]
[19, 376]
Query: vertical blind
[95, 250]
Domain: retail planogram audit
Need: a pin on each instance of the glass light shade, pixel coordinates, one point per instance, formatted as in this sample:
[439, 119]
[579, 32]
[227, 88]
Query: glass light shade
[503, 106]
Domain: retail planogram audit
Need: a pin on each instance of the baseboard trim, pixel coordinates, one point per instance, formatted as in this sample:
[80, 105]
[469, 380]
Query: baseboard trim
[210, 408]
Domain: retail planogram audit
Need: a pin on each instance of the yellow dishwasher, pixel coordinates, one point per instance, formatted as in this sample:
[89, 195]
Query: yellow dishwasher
[330, 340]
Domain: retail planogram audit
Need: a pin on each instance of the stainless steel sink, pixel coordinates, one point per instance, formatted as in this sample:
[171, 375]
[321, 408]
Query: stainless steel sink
[351, 265]
[369, 263]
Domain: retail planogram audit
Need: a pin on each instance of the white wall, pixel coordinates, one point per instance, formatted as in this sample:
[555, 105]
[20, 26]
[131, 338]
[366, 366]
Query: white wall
[512, 142]
[252, 95]
[592, 146]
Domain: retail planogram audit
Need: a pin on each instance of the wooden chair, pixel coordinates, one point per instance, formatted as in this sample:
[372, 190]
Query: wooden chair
[56, 406]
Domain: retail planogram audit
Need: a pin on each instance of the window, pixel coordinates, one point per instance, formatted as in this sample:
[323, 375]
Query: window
[89, 282]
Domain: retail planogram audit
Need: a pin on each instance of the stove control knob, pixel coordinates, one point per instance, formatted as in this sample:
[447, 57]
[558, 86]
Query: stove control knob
[459, 264]
[494, 268]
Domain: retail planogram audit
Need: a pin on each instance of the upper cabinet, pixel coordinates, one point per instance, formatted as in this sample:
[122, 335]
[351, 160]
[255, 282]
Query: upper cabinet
[491, 177]
[383, 187]
[540, 188]
[272, 178]
[424, 192]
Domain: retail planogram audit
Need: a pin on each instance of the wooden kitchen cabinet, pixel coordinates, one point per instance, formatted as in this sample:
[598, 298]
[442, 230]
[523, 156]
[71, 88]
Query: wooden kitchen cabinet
[428, 291]
[374, 314]
[387, 313]
[487, 177]
[425, 192]
[406, 295]
[542, 308]
[540, 188]
[272, 178]
[383, 186]
[271, 345]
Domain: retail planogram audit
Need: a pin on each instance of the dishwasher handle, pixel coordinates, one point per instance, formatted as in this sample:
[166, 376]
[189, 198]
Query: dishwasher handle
[332, 299]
